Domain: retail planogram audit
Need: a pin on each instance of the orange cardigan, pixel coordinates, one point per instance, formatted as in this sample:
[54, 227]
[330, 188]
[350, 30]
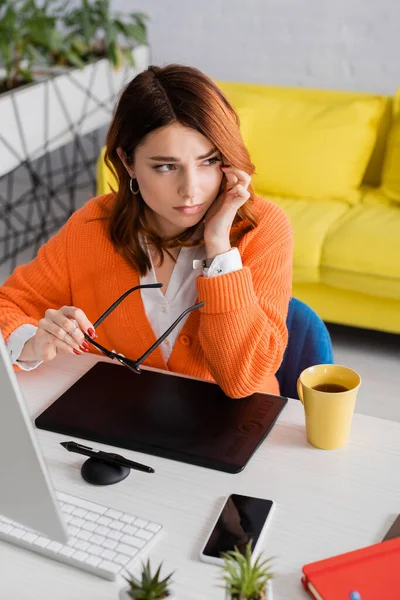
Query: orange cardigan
[237, 339]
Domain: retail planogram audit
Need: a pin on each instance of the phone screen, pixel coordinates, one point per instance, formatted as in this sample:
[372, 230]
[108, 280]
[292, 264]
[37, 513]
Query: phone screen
[241, 520]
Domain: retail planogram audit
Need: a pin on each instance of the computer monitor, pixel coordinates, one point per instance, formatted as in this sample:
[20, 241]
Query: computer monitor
[26, 493]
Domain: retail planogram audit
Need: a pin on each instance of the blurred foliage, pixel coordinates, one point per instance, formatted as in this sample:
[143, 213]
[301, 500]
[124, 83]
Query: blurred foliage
[49, 33]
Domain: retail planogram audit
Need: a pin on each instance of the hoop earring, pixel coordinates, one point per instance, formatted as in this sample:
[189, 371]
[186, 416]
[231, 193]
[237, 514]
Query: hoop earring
[131, 187]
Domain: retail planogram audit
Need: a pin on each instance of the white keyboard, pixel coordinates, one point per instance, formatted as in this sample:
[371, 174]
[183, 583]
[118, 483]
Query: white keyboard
[102, 540]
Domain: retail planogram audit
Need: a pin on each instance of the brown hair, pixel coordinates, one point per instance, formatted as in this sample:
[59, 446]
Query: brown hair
[155, 98]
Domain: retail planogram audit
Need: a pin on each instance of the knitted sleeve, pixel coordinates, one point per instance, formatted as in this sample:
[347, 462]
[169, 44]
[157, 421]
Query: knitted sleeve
[33, 288]
[243, 323]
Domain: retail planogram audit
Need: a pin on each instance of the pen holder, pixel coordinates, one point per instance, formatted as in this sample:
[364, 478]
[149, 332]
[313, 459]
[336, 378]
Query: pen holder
[124, 595]
[267, 594]
[101, 472]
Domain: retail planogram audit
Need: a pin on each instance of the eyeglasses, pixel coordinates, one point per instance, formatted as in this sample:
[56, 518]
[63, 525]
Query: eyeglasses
[133, 365]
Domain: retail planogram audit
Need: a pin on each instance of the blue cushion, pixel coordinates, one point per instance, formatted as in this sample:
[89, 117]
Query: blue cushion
[309, 344]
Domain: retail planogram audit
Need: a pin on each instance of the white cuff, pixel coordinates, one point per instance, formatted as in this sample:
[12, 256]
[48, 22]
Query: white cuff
[15, 343]
[224, 263]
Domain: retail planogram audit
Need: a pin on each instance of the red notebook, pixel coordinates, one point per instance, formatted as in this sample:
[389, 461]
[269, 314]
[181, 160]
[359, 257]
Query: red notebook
[373, 571]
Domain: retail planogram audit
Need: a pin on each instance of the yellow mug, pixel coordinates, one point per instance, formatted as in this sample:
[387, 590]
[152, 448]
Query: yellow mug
[328, 393]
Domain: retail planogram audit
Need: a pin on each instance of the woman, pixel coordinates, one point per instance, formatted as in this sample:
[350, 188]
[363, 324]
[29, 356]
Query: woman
[184, 215]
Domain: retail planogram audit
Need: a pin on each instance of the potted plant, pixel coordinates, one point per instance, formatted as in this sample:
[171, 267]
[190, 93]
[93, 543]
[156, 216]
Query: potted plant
[28, 37]
[41, 35]
[148, 587]
[99, 33]
[245, 578]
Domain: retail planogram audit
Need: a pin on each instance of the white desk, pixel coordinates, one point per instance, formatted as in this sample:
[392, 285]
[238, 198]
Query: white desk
[327, 502]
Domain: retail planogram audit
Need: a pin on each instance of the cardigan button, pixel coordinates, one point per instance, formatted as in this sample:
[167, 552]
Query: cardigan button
[185, 340]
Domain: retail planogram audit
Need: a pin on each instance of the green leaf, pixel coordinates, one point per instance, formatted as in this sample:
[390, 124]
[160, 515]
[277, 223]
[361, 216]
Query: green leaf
[129, 57]
[37, 57]
[75, 59]
[150, 587]
[25, 74]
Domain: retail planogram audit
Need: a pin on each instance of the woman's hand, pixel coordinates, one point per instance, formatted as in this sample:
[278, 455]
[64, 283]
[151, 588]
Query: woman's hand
[220, 216]
[59, 332]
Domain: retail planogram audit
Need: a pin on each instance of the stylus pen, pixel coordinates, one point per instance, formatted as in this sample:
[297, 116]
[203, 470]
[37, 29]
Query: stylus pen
[109, 457]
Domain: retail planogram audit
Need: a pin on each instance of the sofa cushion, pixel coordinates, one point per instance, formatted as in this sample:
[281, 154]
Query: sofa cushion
[311, 143]
[361, 251]
[310, 221]
[376, 197]
[391, 168]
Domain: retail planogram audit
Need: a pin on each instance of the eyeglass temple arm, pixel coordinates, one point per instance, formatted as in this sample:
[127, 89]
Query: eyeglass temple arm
[117, 302]
[166, 333]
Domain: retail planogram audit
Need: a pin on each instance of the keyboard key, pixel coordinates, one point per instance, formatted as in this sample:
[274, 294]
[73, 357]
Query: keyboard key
[97, 539]
[66, 551]
[82, 545]
[108, 554]
[100, 530]
[92, 506]
[125, 549]
[67, 508]
[79, 512]
[117, 525]
[91, 516]
[72, 541]
[89, 526]
[42, 542]
[145, 535]
[154, 527]
[111, 544]
[109, 566]
[79, 555]
[140, 522]
[67, 518]
[73, 530]
[115, 535]
[96, 550]
[5, 527]
[114, 514]
[77, 522]
[30, 537]
[130, 530]
[83, 535]
[127, 519]
[93, 560]
[133, 541]
[17, 532]
[103, 520]
[54, 546]
[122, 559]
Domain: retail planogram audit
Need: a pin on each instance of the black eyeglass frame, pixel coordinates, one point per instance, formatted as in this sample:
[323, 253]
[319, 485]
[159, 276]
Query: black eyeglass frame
[133, 365]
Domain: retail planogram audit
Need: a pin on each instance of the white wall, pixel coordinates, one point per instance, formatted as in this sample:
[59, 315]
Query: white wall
[342, 44]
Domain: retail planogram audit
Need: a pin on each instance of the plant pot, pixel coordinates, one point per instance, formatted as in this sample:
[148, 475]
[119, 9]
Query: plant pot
[123, 595]
[268, 595]
[42, 116]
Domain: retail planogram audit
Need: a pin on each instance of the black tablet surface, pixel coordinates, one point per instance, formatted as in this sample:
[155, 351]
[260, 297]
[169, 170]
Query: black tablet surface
[177, 418]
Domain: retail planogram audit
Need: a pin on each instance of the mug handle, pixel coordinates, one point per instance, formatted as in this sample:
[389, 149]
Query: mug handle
[300, 390]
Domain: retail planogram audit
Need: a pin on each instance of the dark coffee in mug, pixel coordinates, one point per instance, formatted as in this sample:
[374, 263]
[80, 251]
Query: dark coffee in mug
[330, 388]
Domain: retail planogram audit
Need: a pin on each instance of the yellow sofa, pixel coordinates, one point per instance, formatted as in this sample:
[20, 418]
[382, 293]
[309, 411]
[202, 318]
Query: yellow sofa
[331, 160]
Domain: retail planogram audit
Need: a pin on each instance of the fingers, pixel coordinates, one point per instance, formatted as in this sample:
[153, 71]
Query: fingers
[56, 326]
[239, 193]
[47, 346]
[235, 176]
[76, 314]
[67, 325]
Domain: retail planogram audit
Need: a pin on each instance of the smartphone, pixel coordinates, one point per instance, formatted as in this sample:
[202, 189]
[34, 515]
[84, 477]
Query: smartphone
[241, 519]
[394, 530]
